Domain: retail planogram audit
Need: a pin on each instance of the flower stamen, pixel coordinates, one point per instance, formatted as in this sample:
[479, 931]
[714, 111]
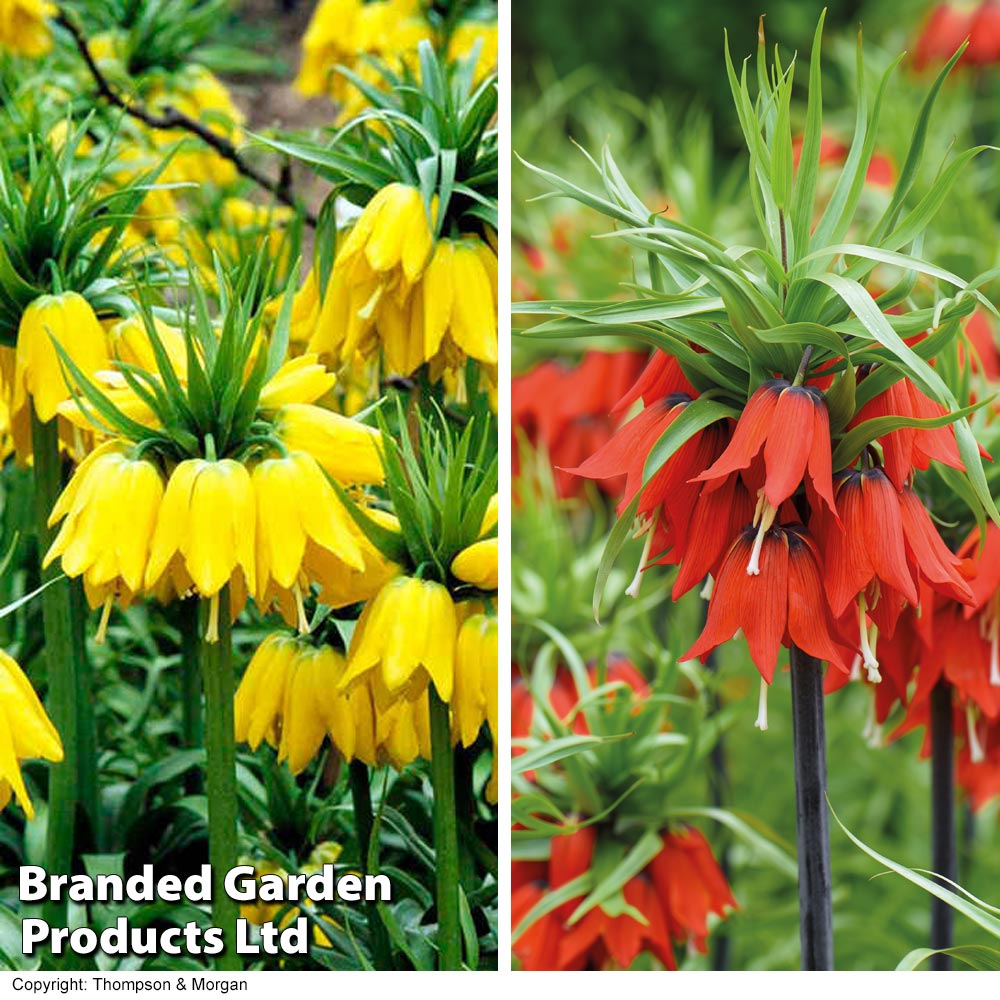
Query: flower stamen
[212, 631]
[765, 513]
[648, 528]
[300, 610]
[870, 662]
[761, 720]
[102, 628]
[976, 752]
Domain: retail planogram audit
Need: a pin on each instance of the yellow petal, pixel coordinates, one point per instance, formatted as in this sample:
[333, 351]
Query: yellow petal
[477, 564]
[474, 316]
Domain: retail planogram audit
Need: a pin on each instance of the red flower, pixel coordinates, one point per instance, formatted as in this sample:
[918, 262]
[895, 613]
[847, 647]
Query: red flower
[675, 894]
[781, 604]
[661, 377]
[944, 31]
[792, 426]
[885, 543]
[910, 447]
[979, 773]
[600, 941]
[692, 885]
[566, 410]
[985, 356]
[717, 517]
[537, 949]
[961, 656]
[984, 35]
[671, 493]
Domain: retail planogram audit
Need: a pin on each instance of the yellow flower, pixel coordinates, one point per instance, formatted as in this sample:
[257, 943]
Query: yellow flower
[23, 30]
[131, 344]
[297, 512]
[109, 509]
[382, 258]
[476, 679]
[245, 225]
[403, 732]
[68, 319]
[206, 531]
[463, 40]
[25, 731]
[347, 450]
[477, 564]
[339, 583]
[343, 32]
[305, 311]
[301, 380]
[404, 639]
[328, 41]
[460, 300]
[491, 516]
[288, 696]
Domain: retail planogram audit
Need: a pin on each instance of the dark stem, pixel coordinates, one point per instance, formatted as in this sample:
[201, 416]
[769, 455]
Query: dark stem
[812, 821]
[942, 818]
[800, 375]
[171, 118]
[449, 934]
[361, 797]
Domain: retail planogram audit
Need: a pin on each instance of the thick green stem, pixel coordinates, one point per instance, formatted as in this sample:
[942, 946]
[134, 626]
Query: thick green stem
[192, 726]
[449, 937]
[220, 750]
[61, 658]
[378, 937]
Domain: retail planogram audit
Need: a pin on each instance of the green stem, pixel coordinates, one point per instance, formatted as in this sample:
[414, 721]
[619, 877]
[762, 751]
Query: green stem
[361, 796]
[192, 725]
[449, 937]
[220, 751]
[61, 659]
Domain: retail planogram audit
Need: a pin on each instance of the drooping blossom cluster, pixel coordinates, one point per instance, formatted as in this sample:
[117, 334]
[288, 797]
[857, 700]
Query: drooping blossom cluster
[794, 550]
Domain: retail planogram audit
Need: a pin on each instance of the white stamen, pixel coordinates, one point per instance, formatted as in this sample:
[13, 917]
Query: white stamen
[212, 631]
[989, 629]
[872, 732]
[870, 662]
[102, 628]
[976, 752]
[708, 589]
[855, 668]
[766, 513]
[648, 529]
[761, 722]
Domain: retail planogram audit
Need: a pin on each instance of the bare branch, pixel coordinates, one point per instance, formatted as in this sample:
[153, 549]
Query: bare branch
[172, 119]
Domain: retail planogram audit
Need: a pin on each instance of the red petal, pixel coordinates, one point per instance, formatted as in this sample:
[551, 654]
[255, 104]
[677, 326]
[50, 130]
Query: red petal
[789, 443]
[724, 608]
[882, 523]
[846, 557]
[751, 432]
[764, 605]
[932, 558]
[808, 615]
[821, 457]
